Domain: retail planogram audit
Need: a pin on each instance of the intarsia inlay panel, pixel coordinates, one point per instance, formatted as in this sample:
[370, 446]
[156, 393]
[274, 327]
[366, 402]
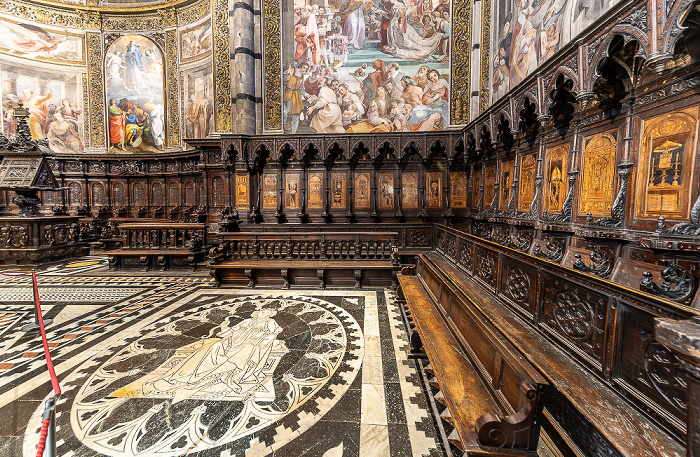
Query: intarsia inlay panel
[666, 165]
[598, 174]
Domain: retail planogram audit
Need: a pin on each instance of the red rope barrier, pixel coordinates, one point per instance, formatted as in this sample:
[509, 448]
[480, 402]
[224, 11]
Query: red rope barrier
[42, 437]
[49, 363]
[15, 274]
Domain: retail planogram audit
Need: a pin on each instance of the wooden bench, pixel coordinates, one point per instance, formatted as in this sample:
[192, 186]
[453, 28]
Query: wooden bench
[493, 395]
[308, 259]
[162, 244]
[596, 408]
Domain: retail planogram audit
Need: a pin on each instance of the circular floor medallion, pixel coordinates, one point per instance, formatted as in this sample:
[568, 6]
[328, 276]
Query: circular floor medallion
[215, 374]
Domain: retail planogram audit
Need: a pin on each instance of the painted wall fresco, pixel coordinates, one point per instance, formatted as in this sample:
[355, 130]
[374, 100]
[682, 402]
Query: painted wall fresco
[525, 33]
[354, 66]
[195, 41]
[134, 75]
[36, 42]
[198, 101]
[54, 100]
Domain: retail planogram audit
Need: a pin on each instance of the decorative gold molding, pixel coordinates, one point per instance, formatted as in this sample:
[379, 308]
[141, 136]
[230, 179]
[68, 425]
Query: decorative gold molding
[484, 79]
[272, 65]
[133, 23]
[222, 67]
[168, 17]
[461, 69]
[91, 19]
[42, 14]
[173, 136]
[193, 13]
[93, 5]
[96, 93]
[86, 108]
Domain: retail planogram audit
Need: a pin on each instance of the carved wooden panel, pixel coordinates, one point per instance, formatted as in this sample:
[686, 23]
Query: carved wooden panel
[315, 192]
[362, 190]
[409, 190]
[598, 173]
[458, 189]
[338, 190]
[518, 284]
[119, 194]
[418, 238]
[555, 174]
[433, 190]
[98, 194]
[174, 194]
[157, 194]
[242, 191]
[269, 191]
[476, 189]
[465, 256]
[190, 199]
[218, 192]
[666, 165]
[528, 168]
[75, 194]
[486, 266]
[577, 315]
[507, 169]
[650, 372]
[292, 191]
[139, 194]
[386, 190]
[489, 185]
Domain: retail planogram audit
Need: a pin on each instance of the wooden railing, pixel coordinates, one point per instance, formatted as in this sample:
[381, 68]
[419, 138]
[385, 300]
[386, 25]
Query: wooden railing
[162, 235]
[305, 246]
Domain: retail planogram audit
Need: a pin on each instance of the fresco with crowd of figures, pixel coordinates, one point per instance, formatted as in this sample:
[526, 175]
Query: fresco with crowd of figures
[525, 33]
[54, 100]
[367, 66]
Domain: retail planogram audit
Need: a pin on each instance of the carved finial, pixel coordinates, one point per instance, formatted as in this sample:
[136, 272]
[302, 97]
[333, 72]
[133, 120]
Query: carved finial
[660, 224]
[589, 218]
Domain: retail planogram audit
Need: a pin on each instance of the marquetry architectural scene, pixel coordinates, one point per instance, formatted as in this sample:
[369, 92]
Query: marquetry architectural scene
[351, 228]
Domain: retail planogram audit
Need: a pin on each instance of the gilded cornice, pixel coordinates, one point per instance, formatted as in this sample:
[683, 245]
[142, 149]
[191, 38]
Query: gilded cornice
[90, 5]
[79, 16]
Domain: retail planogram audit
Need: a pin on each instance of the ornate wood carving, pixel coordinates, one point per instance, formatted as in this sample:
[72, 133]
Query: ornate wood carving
[600, 264]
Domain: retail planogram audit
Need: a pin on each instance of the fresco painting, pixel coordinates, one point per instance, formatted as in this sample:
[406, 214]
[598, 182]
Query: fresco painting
[367, 66]
[134, 75]
[196, 41]
[525, 33]
[198, 103]
[35, 42]
[55, 105]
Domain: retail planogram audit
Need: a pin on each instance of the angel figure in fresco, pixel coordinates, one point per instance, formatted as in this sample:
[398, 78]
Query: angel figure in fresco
[26, 38]
[231, 363]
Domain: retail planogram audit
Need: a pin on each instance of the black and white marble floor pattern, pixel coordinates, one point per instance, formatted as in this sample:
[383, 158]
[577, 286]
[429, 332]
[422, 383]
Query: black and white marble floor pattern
[171, 366]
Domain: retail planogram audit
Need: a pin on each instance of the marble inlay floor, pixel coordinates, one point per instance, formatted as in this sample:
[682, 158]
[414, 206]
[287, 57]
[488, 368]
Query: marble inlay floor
[172, 366]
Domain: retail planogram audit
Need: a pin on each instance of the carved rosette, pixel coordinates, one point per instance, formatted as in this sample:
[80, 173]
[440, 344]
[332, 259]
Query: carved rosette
[96, 95]
[222, 63]
[460, 78]
[173, 93]
[272, 64]
[485, 77]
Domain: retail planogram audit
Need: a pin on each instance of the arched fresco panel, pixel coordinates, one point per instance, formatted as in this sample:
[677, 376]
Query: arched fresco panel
[134, 75]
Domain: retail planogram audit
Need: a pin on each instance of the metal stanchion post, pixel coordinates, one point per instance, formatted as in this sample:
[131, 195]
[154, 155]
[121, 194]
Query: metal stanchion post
[34, 326]
[50, 413]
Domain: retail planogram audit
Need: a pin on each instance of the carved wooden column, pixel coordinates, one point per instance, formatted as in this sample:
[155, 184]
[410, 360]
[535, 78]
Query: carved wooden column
[539, 177]
[446, 191]
[683, 339]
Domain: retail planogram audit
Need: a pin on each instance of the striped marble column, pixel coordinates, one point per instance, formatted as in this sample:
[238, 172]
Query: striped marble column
[244, 60]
